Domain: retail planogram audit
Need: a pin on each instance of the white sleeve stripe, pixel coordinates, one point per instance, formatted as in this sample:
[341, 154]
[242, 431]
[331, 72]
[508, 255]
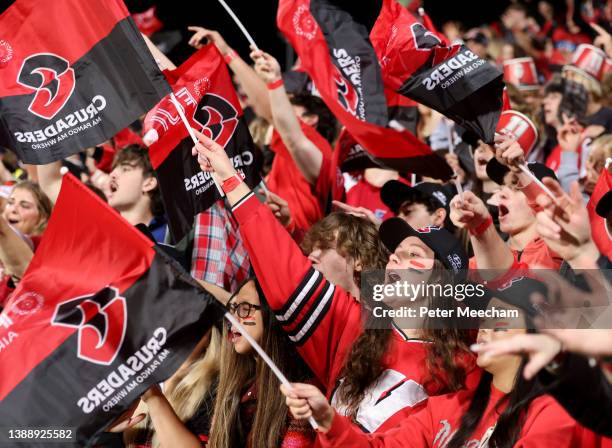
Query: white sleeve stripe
[296, 303]
[313, 319]
[242, 201]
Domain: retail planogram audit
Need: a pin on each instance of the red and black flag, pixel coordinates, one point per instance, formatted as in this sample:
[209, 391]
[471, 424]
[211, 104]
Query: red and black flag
[73, 73]
[336, 53]
[99, 316]
[450, 79]
[204, 89]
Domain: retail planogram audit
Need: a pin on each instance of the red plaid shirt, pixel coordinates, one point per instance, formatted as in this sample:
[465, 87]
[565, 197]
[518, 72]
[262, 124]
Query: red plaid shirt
[219, 256]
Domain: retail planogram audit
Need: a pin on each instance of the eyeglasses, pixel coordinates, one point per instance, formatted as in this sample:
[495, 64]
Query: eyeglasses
[242, 309]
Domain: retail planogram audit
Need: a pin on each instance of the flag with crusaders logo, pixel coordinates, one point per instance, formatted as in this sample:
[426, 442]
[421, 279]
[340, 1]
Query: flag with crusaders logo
[204, 89]
[336, 53]
[99, 316]
[73, 73]
[382, 48]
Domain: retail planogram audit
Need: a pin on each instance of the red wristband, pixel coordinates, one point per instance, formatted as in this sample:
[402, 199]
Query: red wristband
[275, 84]
[231, 183]
[482, 227]
[229, 57]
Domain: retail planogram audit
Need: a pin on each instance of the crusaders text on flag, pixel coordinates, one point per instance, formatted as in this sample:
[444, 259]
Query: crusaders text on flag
[73, 73]
[99, 316]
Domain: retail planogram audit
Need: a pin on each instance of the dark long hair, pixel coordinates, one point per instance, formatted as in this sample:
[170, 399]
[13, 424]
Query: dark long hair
[447, 361]
[510, 422]
[238, 372]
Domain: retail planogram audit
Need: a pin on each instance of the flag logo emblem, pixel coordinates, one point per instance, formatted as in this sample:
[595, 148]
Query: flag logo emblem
[51, 79]
[101, 320]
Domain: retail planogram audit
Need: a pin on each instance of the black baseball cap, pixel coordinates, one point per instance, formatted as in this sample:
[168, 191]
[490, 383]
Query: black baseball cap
[446, 247]
[517, 292]
[394, 193]
[604, 205]
[497, 171]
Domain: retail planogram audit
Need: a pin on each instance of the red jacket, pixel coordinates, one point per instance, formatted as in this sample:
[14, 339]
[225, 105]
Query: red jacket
[286, 180]
[546, 425]
[324, 321]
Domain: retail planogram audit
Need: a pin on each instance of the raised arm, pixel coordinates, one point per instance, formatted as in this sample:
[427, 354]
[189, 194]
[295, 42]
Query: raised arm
[15, 254]
[305, 153]
[490, 251]
[162, 60]
[50, 179]
[320, 318]
[252, 85]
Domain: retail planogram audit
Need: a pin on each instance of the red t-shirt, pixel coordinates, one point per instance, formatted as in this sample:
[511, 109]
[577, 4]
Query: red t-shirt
[364, 194]
[535, 253]
[286, 180]
[546, 425]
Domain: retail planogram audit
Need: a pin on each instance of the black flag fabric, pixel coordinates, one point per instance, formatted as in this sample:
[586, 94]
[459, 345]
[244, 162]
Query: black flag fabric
[338, 56]
[73, 73]
[100, 315]
[204, 90]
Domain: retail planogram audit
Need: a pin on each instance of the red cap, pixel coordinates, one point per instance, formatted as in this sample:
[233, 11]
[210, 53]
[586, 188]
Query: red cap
[522, 73]
[521, 127]
[589, 60]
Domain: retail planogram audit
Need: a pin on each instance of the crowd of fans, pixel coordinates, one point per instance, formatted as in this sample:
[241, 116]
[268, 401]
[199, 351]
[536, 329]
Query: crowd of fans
[290, 258]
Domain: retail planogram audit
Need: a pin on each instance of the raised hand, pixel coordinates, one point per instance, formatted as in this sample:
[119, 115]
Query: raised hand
[569, 134]
[212, 36]
[212, 157]
[541, 350]
[468, 211]
[305, 401]
[564, 223]
[279, 207]
[360, 212]
[266, 66]
[508, 152]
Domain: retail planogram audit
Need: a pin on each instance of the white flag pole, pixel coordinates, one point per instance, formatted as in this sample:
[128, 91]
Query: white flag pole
[239, 23]
[264, 356]
[181, 112]
[532, 176]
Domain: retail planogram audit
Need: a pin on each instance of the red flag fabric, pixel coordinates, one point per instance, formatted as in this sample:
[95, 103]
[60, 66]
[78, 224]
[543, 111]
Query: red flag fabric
[76, 74]
[99, 316]
[599, 231]
[354, 93]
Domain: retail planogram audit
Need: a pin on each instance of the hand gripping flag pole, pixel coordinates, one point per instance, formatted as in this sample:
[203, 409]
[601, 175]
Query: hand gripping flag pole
[239, 23]
[282, 378]
[538, 182]
[195, 140]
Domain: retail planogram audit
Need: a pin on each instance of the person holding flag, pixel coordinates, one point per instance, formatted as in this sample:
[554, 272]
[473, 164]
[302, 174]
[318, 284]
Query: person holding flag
[327, 323]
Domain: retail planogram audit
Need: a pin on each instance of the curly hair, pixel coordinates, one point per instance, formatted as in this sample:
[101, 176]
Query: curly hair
[353, 237]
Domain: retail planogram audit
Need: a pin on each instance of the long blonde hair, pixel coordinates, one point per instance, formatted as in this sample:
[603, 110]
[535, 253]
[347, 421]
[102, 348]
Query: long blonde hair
[189, 391]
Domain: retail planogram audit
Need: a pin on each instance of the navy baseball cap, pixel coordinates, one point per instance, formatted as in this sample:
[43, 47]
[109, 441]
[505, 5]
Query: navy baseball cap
[445, 246]
[394, 193]
[497, 171]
